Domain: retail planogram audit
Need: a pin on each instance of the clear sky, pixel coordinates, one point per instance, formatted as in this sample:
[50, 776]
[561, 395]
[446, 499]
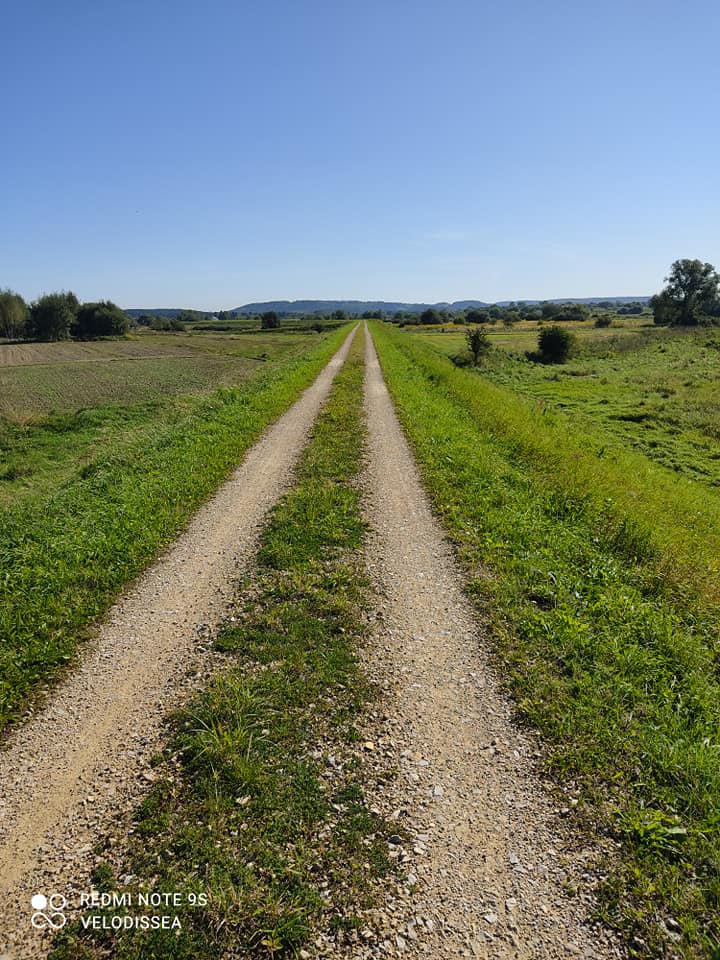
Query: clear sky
[207, 154]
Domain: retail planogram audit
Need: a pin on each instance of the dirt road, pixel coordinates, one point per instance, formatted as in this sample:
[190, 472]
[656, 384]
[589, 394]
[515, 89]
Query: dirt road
[65, 775]
[492, 855]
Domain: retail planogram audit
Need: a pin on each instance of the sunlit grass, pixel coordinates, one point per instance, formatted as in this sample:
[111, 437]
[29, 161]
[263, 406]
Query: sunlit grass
[108, 488]
[597, 578]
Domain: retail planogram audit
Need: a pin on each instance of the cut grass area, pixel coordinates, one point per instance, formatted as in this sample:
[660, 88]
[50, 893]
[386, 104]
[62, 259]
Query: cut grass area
[260, 805]
[586, 574]
[650, 388]
[68, 550]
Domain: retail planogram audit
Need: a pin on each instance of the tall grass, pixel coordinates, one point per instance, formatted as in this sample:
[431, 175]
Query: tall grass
[603, 614]
[645, 510]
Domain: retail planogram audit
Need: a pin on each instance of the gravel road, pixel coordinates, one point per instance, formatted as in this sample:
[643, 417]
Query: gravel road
[68, 773]
[492, 854]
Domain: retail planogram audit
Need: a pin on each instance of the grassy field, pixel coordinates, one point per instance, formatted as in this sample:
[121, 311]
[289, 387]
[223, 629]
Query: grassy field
[653, 389]
[597, 574]
[261, 800]
[89, 496]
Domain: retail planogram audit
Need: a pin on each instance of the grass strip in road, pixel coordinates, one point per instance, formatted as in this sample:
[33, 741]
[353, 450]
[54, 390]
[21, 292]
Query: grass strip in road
[618, 670]
[261, 801]
[65, 557]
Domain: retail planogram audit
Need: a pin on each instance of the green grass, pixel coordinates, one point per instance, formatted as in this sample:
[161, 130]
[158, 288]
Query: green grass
[651, 389]
[598, 578]
[112, 486]
[250, 811]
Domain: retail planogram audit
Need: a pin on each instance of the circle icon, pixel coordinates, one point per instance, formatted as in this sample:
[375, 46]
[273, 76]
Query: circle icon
[39, 901]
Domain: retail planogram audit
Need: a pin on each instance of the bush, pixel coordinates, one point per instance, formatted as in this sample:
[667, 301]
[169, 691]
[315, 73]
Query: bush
[160, 323]
[269, 320]
[103, 319]
[555, 344]
[604, 320]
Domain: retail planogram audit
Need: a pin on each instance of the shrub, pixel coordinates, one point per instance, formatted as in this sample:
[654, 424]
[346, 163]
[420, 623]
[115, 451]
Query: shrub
[103, 319]
[555, 344]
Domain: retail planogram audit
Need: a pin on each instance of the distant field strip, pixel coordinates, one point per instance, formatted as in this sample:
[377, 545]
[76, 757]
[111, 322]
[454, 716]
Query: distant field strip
[36, 379]
[598, 578]
[70, 543]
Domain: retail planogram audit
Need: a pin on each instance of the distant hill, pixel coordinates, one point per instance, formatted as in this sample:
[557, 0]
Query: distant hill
[387, 306]
[349, 306]
[295, 307]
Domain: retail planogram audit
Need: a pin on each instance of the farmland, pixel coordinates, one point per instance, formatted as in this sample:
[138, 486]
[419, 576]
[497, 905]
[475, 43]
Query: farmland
[40, 378]
[583, 505]
[104, 460]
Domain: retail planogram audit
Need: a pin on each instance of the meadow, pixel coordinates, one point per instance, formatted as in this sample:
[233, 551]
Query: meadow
[595, 571]
[649, 388]
[94, 484]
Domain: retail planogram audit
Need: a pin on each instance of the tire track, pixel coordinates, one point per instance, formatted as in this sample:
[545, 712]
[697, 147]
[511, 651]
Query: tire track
[84, 758]
[492, 858]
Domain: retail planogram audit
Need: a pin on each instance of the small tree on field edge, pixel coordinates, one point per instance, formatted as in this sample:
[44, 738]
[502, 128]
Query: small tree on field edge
[13, 314]
[478, 344]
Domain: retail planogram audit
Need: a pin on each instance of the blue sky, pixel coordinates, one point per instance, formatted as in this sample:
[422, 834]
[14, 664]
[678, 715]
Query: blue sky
[210, 154]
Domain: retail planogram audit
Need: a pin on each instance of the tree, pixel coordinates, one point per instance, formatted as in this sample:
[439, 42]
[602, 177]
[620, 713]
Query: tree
[478, 344]
[691, 294]
[269, 320]
[474, 315]
[430, 316]
[101, 319]
[52, 316]
[555, 344]
[160, 323]
[13, 315]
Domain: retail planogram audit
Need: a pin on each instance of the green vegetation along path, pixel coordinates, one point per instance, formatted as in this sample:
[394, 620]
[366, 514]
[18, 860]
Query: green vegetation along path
[490, 862]
[87, 754]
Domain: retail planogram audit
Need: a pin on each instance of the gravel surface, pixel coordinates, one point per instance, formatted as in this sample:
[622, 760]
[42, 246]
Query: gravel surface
[493, 855]
[70, 772]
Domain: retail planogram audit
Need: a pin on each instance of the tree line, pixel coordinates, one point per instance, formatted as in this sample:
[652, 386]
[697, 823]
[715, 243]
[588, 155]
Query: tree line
[59, 316]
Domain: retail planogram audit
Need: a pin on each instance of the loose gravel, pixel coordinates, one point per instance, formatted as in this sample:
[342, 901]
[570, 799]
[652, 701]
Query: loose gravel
[71, 771]
[494, 868]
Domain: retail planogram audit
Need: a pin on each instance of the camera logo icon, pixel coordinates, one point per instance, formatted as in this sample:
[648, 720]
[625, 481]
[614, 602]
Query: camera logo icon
[48, 911]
